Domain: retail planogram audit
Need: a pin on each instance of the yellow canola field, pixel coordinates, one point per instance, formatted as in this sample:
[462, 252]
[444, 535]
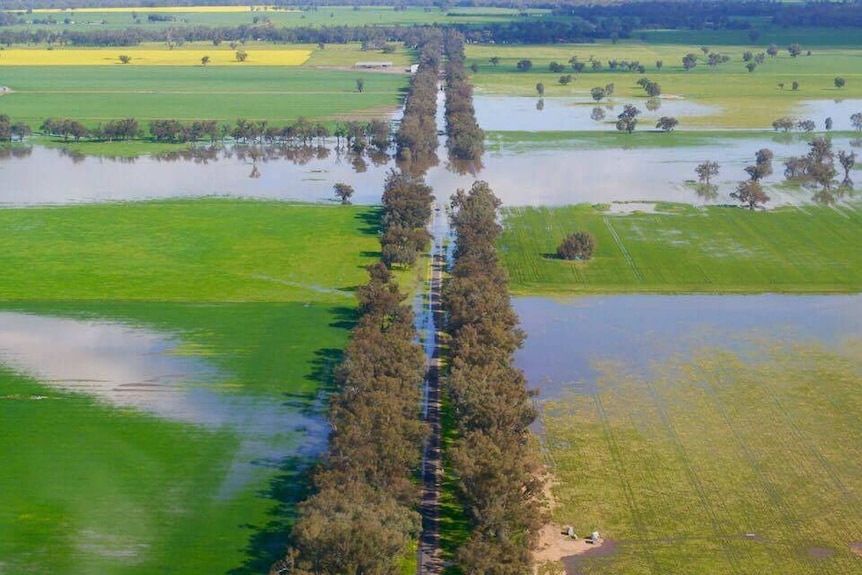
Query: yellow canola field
[149, 57]
[146, 9]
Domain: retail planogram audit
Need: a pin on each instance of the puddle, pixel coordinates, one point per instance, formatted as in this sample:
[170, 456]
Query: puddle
[132, 367]
[522, 114]
[567, 339]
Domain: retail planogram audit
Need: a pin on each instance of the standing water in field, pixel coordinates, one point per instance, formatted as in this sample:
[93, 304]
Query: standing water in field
[521, 173]
[133, 367]
[568, 338]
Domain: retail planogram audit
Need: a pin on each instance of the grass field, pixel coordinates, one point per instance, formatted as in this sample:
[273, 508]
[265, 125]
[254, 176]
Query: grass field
[92, 86]
[742, 99]
[199, 250]
[113, 490]
[118, 490]
[235, 16]
[716, 463]
[683, 249]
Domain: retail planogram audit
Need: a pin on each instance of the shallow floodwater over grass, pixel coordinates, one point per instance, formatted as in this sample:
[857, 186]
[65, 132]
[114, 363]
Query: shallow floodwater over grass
[703, 434]
[158, 437]
[524, 169]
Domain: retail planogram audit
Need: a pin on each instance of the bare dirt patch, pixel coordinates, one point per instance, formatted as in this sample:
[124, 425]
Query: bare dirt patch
[557, 553]
[856, 548]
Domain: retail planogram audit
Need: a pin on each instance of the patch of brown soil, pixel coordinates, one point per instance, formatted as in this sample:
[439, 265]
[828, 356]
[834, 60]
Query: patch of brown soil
[557, 549]
[856, 548]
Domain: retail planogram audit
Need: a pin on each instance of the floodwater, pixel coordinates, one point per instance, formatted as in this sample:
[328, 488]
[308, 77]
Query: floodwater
[521, 174]
[522, 114]
[568, 338]
[134, 367]
[839, 110]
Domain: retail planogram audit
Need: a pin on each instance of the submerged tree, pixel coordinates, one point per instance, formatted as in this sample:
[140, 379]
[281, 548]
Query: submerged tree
[628, 119]
[750, 193]
[344, 192]
[667, 123]
[706, 171]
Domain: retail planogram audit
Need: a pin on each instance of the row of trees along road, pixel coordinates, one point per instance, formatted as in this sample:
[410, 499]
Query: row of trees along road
[362, 518]
[416, 137]
[465, 139]
[496, 468]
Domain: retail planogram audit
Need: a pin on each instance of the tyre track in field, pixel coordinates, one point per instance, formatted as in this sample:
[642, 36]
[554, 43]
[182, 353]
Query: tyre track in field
[735, 560]
[628, 257]
[616, 455]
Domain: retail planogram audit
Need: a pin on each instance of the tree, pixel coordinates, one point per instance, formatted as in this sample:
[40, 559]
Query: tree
[494, 60]
[772, 50]
[847, 160]
[667, 123]
[577, 246]
[806, 125]
[828, 124]
[784, 124]
[344, 192]
[241, 55]
[706, 171]
[598, 114]
[566, 79]
[125, 59]
[794, 85]
[556, 67]
[689, 61]
[540, 89]
[653, 89]
[750, 193]
[360, 84]
[658, 64]
[609, 89]
[704, 49]
[474, 67]
[627, 120]
[524, 65]
[750, 66]
[794, 50]
[205, 60]
[839, 82]
[598, 94]
[747, 56]
[856, 121]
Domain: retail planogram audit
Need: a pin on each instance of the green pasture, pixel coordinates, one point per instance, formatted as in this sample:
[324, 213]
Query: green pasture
[197, 250]
[742, 99]
[318, 17]
[88, 488]
[280, 95]
[717, 462]
[682, 249]
[261, 292]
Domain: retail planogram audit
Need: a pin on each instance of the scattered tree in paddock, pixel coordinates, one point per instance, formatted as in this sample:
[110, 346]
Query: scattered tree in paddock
[577, 246]
[750, 193]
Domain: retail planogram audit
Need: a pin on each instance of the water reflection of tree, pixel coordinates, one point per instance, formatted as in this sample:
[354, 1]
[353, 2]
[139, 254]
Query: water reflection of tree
[463, 167]
[16, 152]
[706, 191]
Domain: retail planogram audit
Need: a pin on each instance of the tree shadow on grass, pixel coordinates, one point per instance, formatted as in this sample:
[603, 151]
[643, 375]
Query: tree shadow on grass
[267, 542]
[371, 220]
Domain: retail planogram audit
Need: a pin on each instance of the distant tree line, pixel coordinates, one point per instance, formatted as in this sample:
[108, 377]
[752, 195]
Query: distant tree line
[465, 139]
[493, 461]
[114, 130]
[356, 135]
[11, 130]
[416, 138]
